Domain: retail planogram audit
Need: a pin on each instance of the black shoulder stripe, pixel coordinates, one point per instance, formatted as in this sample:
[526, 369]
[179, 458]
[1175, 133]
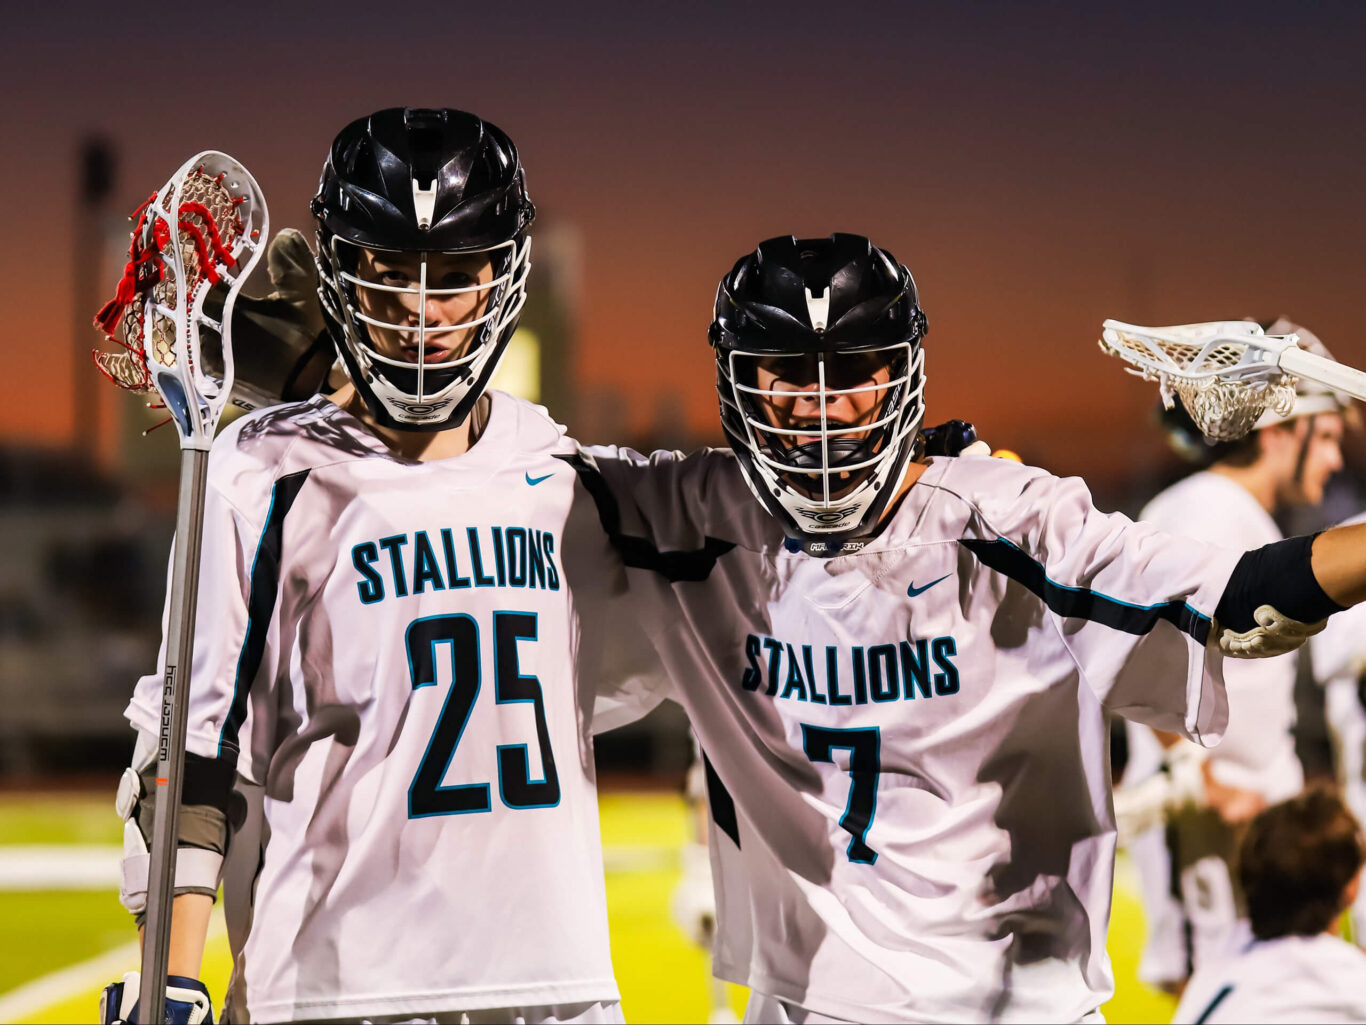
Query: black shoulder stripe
[638, 552]
[1082, 602]
[720, 802]
[1219, 998]
[261, 595]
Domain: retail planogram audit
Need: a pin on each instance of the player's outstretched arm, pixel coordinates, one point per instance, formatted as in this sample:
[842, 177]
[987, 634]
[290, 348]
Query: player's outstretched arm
[1339, 563]
[1283, 593]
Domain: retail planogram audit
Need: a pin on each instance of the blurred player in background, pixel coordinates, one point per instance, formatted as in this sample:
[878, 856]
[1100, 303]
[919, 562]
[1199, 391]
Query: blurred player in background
[1339, 654]
[1299, 866]
[901, 670]
[1181, 805]
[404, 589]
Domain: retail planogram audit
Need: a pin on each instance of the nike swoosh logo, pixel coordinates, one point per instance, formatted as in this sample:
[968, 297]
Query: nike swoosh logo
[533, 481]
[912, 591]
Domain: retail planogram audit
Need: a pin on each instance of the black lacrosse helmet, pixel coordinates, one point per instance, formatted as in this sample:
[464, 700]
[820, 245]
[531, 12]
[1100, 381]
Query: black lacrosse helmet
[422, 182]
[819, 370]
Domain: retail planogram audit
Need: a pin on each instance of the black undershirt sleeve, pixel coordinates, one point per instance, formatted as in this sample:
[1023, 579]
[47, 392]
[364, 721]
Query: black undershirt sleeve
[1279, 575]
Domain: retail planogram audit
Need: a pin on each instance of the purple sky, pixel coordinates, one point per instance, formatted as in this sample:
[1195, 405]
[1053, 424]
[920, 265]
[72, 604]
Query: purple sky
[1038, 166]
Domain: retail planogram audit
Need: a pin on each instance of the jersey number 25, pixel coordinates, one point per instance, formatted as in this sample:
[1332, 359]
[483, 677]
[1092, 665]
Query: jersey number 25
[516, 788]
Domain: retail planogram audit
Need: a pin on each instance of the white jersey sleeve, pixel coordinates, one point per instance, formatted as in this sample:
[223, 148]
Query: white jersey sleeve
[238, 539]
[907, 746]
[1125, 597]
[1258, 749]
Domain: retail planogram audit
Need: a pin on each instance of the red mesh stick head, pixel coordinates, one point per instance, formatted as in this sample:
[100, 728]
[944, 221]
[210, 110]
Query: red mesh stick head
[141, 316]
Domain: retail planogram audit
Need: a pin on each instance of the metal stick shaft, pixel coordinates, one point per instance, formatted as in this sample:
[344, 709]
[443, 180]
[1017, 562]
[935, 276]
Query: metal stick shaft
[1325, 371]
[156, 943]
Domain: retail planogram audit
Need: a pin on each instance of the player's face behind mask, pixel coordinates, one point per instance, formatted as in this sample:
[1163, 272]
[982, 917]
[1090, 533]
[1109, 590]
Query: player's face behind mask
[821, 420]
[421, 327]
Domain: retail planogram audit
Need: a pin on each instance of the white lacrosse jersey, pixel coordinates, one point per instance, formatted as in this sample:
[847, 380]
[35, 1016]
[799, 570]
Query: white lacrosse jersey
[1258, 749]
[404, 655]
[1291, 979]
[907, 747]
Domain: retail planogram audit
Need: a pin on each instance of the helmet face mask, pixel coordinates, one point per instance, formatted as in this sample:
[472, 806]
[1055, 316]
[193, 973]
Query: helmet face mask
[425, 331]
[820, 425]
[423, 258]
[820, 375]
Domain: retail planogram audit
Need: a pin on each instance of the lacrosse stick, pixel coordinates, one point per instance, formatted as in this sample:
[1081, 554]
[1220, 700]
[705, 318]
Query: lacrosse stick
[205, 226]
[1227, 373]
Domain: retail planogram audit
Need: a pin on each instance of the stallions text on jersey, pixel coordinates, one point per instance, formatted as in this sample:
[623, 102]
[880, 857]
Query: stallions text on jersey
[404, 655]
[908, 745]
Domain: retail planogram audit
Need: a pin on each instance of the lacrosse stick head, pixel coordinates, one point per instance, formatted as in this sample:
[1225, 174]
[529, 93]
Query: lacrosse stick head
[1225, 372]
[206, 226]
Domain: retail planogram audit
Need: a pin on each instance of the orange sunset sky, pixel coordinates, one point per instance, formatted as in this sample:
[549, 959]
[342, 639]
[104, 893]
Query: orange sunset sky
[1039, 166]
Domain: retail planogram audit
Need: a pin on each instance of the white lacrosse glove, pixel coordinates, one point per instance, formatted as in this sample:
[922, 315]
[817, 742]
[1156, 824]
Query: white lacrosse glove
[1275, 635]
[1143, 806]
[694, 901]
[187, 1001]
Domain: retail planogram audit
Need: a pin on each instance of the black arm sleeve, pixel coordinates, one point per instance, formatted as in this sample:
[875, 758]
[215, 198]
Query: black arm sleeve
[1278, 575]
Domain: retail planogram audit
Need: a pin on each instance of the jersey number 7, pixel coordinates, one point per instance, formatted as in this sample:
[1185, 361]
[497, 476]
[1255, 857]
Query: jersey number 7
[863, 745]
[516, 788]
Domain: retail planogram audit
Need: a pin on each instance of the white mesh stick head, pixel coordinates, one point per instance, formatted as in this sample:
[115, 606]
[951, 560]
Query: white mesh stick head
[1226, 372]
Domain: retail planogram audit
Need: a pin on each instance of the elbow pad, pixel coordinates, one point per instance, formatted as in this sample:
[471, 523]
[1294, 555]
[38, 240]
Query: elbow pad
[202, 830]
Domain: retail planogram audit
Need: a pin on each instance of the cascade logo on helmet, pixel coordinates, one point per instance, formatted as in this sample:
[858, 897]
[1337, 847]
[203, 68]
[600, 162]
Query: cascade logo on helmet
[423, 256]
[827, 516]
[820, 378]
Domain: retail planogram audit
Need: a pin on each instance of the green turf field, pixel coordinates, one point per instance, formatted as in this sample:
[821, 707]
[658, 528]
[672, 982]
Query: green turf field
[58, 942]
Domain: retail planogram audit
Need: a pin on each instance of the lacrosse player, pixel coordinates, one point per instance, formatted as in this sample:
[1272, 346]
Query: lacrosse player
[1299, 865]
[901, 669]
[404, 592]
[1339, 653]
[1191, 800]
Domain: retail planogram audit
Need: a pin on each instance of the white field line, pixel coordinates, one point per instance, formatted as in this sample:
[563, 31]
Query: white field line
[54, 867]
[47, 990]
[35, 867]
[59, 867]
